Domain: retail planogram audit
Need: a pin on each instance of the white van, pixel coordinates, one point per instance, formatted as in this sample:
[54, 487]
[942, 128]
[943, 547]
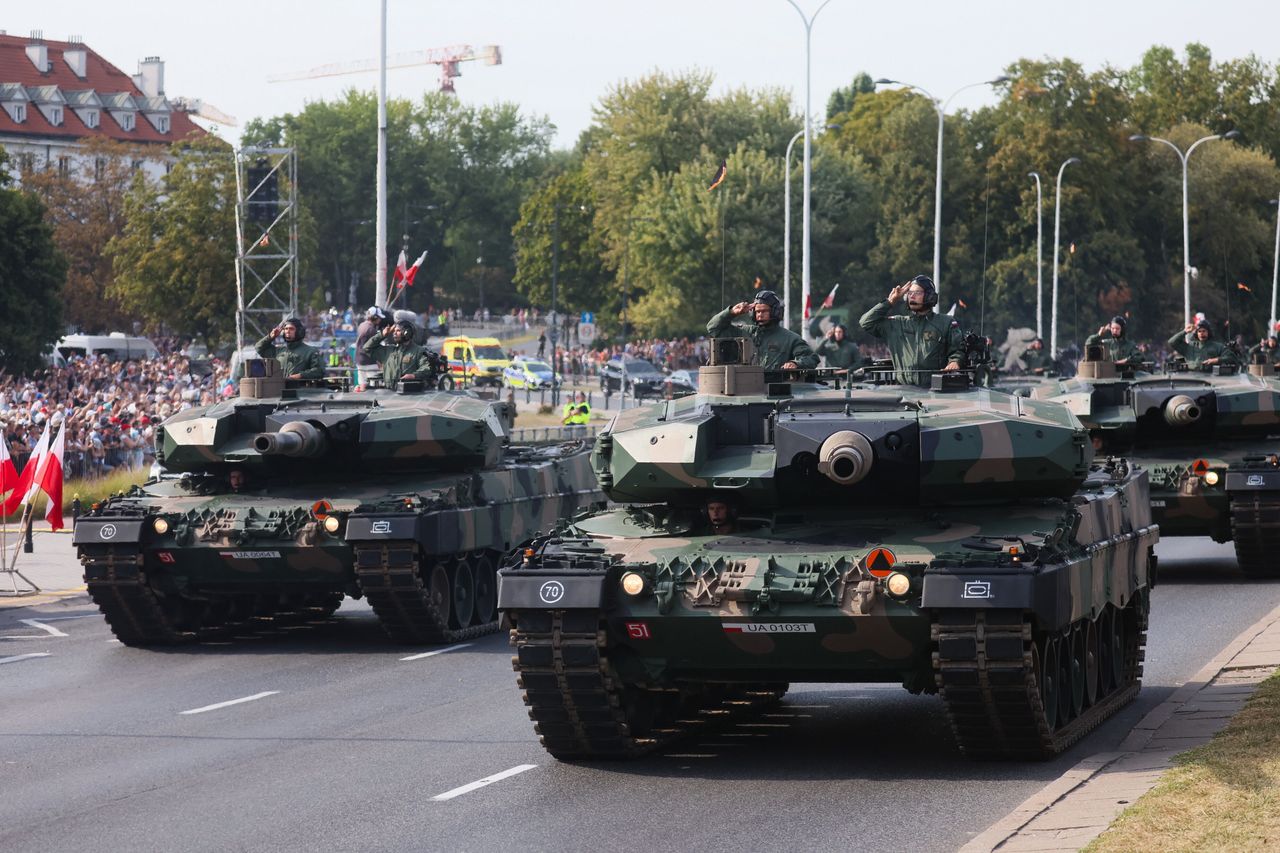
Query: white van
[116, 346]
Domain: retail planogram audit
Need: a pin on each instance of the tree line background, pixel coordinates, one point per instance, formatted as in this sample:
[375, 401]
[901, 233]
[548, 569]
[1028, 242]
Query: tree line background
[482, 189]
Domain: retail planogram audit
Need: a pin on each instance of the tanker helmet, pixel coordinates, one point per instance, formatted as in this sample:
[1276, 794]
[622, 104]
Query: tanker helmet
[930, 289]
[768, 297]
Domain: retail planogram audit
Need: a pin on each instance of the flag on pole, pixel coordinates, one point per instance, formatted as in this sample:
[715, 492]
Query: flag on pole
[808, 304]
[962, 303]
[8, 473]
[720, 173]
[954, 306]
[401, 268]
[830, 301]
[27, 486]
[412, 272]
[1242, 286]
[51, 480]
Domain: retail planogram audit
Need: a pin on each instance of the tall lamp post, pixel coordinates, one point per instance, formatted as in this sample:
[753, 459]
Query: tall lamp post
[786, 232]
[380, 179]
[941, 107]
[808, 75]
[1275, 272]
[1039, 257]
[1186, 229]
[1057, 230]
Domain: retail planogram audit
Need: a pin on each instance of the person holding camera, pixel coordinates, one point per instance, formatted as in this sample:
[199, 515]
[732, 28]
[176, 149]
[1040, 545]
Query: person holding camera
[776, 348]
[297, 359]
[920, 342]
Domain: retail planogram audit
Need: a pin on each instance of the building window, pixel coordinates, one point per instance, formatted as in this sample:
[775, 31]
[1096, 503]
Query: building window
[164, 124]
[27, 162]
[18, 112]
[126, 121]
[55, 116]
[91, 118]
[99, 165]
[64, 166]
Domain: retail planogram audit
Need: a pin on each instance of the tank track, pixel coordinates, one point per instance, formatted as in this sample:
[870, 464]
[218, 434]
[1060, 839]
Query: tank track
[579, 706]
[985, 665]
[140, 616]
[1255, 528]
[391, 576]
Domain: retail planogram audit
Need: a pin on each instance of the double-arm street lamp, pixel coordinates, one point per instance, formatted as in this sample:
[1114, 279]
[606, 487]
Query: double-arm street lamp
[1057, 230]
[941, 107]
[1186, 230]
[808, 133]
[786, 233]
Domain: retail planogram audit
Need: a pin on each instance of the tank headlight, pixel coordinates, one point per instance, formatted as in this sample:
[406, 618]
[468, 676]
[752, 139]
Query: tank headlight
[1211, 478]
[160, 526]
[898, 584]
[633, 583]
[331, 524]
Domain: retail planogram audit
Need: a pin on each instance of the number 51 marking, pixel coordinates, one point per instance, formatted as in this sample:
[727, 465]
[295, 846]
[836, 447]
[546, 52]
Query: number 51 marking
[638, 630]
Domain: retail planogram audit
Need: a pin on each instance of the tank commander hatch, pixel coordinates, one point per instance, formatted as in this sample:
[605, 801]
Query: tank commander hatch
[776, 348]
[404, 359]
[298, 360]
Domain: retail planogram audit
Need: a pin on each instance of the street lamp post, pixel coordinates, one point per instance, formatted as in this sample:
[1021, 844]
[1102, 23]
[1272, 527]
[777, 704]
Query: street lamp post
[808, 42]
[1275, 272]
[380, 179]
[1039, 257]
[786, 233]
[1186, 229]
[1057, 231]
[941, 107]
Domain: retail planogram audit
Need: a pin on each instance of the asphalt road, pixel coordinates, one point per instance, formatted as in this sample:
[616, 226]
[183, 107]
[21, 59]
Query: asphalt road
[343, 741]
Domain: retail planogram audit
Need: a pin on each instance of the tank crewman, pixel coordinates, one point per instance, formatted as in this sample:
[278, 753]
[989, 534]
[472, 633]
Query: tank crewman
[838, 350]
[577, 412]
[403, 359]
[1120, 349]
[1035, 359]
[921, 341]
[237, 480]
[776, 348]
[722, 515]
[1195, 343]
[297, 359]
[1267, 348]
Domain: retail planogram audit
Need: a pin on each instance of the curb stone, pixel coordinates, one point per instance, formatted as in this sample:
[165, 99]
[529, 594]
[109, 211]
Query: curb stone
[1077, 807]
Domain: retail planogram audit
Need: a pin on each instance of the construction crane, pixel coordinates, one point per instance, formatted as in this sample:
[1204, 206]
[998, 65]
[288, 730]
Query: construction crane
[197, 107]
[448, 58]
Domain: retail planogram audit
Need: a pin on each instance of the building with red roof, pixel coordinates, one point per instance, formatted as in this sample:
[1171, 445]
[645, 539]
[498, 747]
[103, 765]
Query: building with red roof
[54, 95]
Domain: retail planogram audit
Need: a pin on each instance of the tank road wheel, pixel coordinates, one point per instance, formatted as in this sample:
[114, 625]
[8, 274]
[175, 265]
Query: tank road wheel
[1255, 528]
[486, 580]
[1079, 667]
[1050, 686]
[463, 591]
[1092, 665]
[441, 592]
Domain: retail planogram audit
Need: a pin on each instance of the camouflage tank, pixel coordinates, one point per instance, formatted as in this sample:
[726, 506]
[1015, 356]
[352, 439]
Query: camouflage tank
[1210, 441]
[406, 498]
[957, 541]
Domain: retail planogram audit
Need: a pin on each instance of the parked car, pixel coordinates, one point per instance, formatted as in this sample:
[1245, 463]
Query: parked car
[529, 372]
[642, 378]
[683, 382]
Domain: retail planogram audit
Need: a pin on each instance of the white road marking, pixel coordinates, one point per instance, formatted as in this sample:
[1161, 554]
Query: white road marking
[65, 618]
[438, 652]
[218, 705]
[48, 629]
[17, 658]
[480, 783]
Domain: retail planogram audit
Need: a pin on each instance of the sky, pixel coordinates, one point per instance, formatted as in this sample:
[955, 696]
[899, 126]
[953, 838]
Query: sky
[561, 56]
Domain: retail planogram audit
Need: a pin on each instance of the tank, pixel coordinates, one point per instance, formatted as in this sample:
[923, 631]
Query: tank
[406, 498]
[954, 539]
[1210, 441]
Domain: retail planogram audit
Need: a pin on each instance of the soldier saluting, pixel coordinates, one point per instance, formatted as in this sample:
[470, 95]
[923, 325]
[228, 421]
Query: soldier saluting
[404, 359]
[297, 359]
[920, 342]
[776, 347]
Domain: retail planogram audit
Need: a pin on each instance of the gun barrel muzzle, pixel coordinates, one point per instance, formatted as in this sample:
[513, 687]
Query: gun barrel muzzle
[845, 457]
[1181, 411]
[297, 439]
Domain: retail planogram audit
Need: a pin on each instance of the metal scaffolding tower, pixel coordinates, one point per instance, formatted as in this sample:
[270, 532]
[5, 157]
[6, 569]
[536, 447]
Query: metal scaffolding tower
[266, 240]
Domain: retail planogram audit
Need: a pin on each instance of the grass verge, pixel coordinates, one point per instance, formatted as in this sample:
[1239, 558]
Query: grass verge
[1224, 795]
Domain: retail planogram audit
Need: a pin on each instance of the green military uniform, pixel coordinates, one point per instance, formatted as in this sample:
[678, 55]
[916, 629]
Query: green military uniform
[295, 357]
[775, 346]
[1270, 355]
[843, 354]
[576, 413]
[1118, 349]
[1036, 360]
[918, 343]
[1196, 351]
[398, 360]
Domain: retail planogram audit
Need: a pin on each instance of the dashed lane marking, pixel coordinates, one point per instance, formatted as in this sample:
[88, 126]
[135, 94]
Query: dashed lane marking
[230, 702]
[480, 783]
[16, 658]
[437, 652]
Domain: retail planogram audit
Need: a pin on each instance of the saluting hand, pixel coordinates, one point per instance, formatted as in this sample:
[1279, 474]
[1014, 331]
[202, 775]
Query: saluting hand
[740, 308]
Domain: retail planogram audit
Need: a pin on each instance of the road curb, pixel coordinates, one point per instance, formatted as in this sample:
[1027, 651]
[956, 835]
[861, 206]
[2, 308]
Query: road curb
[1079, 805]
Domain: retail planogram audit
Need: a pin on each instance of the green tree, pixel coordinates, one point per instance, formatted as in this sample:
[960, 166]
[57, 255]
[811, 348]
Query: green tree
[842, 99]
[175, 261]
[564, 206]
[32, 275]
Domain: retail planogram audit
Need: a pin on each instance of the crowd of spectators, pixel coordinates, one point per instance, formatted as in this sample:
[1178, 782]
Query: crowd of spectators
[111, 408]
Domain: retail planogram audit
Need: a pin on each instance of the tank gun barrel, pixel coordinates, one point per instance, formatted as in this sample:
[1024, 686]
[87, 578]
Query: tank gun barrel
[1181, 411]
[845, 457]
[297, 439]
